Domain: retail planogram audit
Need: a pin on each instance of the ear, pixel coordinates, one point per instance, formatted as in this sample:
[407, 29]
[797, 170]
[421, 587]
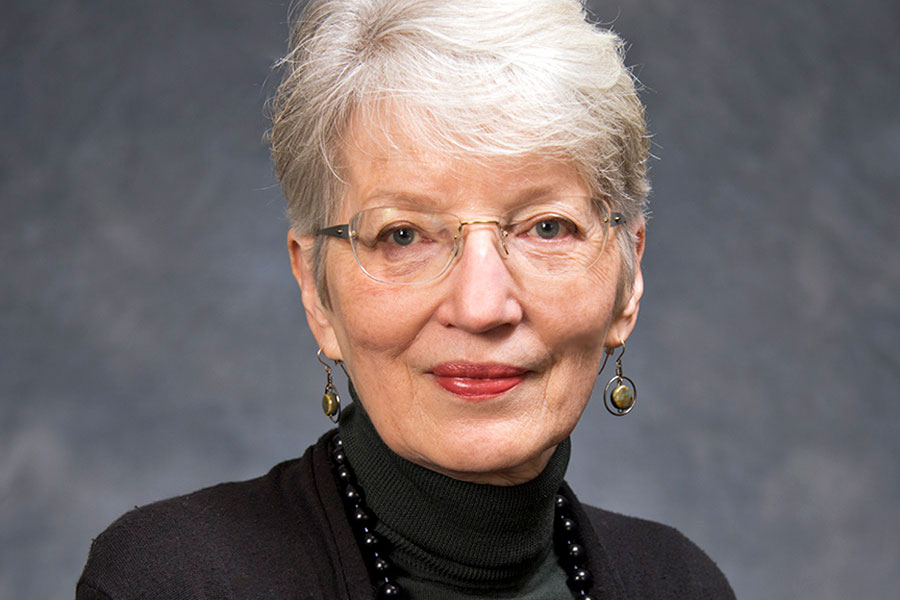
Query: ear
[318, 317]
[623, 324]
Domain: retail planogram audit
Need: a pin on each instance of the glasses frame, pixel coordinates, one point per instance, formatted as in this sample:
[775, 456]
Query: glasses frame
[343, 232]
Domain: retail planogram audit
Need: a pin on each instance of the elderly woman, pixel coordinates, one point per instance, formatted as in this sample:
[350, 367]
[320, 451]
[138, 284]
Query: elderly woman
[465, 183]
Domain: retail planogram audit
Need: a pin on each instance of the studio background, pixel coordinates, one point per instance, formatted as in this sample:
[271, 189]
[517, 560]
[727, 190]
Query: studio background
[152, 338]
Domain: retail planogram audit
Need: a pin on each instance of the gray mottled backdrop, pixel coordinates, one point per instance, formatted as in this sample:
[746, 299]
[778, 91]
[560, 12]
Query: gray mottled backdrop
[152, 340]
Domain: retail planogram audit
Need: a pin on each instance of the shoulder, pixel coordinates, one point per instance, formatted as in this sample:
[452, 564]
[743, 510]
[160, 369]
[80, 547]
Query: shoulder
[655, 560]
[214, 543]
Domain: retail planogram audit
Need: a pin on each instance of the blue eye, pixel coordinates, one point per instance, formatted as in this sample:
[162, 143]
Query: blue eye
[403, 236]
[547, 229]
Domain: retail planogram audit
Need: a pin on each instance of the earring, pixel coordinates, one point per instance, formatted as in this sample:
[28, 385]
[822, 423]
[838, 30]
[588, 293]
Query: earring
[621, 398]
[331, 400]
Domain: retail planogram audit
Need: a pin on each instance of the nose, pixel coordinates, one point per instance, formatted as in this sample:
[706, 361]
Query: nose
[482, 292]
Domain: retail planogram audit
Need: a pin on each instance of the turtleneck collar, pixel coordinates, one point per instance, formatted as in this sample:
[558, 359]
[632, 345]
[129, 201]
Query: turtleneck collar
[448, 530]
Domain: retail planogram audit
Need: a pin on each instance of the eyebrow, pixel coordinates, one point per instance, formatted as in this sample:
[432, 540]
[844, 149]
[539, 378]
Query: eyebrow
[403, 199]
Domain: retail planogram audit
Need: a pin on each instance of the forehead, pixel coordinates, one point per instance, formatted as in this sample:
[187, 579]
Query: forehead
[382, 160]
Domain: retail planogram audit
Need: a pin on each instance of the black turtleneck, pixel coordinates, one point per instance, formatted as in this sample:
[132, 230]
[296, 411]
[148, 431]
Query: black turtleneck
[455, 539]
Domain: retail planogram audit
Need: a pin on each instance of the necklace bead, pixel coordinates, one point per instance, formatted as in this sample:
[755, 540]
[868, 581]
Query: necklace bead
[389, 590]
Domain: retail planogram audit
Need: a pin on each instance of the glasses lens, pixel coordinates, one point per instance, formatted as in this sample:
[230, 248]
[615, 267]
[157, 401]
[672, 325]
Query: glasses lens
[398, 245]
[560, 237]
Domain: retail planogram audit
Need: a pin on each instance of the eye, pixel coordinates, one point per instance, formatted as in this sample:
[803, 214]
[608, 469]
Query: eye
[551, 228]
[547, 229]
[400, 235]
[403, 236]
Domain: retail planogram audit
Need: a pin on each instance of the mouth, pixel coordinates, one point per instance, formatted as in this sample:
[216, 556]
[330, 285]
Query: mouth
[474, 382]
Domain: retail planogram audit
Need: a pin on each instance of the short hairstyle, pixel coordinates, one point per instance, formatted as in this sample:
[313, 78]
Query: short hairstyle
[474, 78]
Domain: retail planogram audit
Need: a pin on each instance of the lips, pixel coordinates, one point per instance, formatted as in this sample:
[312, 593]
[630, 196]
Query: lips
[477, 381]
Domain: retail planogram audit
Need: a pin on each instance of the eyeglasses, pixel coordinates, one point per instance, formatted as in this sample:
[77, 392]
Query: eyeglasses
[407, 246]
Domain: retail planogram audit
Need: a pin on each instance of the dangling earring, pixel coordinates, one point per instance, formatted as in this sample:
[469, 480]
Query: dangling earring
[620, 400]
[331, 400]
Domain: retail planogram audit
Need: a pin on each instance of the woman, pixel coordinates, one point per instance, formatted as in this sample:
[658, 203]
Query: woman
[466, 183]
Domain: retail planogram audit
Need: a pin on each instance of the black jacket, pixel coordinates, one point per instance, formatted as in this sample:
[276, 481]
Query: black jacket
[285, 536]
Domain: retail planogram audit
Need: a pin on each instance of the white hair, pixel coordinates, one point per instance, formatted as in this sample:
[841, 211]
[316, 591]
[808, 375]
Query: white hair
[471, 78]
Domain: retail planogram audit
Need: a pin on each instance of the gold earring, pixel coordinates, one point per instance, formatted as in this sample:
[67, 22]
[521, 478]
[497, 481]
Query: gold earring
[621, 398]
[331, 400]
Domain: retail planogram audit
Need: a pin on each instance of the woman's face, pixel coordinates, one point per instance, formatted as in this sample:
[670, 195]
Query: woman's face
[480, 373]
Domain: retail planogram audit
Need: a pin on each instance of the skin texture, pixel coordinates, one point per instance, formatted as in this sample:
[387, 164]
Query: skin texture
[391, 337]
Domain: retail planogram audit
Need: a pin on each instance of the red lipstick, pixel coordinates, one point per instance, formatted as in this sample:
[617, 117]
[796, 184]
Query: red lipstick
[477, 381]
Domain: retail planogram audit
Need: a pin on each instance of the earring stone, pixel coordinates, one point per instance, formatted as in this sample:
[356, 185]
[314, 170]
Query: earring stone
[622, 397]
[330, 403]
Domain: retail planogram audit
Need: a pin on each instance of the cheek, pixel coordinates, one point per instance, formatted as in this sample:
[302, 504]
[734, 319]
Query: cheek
[375, 321]
[577, 313]
[572, 323]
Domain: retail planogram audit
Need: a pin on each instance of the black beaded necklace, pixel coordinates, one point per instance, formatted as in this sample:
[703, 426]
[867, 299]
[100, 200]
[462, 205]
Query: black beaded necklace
[566, 539]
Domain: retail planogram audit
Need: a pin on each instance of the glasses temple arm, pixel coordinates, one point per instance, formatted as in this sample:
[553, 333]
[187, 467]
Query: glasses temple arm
[338, 231]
